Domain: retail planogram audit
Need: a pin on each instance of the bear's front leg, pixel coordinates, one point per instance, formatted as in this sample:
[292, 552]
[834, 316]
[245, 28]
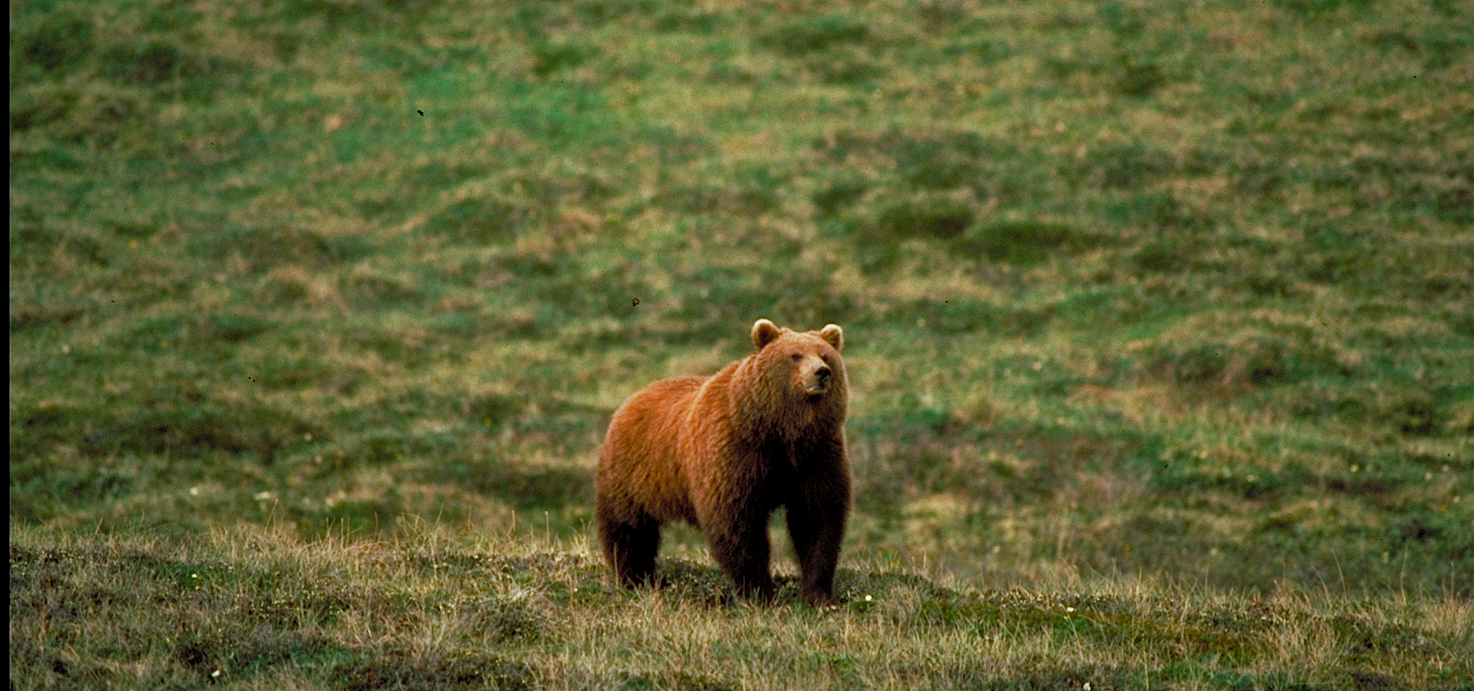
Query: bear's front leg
[816, 520]
[739, 542]
[816, 540]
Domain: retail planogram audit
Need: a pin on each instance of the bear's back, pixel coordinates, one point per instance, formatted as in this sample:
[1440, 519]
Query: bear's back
[646, 427]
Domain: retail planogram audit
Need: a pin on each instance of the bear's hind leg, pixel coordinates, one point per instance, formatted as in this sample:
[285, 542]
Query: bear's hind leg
[629, 549]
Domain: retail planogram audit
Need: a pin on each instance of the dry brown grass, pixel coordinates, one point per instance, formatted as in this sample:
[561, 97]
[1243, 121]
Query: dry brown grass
[257, 608]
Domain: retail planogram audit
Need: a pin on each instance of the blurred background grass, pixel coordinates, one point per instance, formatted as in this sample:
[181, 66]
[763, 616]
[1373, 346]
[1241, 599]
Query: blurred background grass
[1181, 289]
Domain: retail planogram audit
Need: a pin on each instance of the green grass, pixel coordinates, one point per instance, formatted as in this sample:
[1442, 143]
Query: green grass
[253, 607]
[1169, 302]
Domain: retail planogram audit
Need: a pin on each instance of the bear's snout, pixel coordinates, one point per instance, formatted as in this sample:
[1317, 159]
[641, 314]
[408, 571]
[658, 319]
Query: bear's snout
[818, 380]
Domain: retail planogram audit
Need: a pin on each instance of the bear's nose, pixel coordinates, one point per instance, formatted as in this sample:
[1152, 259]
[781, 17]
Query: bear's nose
[821, 377]
[818, 380]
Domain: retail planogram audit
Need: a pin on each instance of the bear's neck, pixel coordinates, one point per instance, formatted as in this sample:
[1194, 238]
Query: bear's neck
[793, 416]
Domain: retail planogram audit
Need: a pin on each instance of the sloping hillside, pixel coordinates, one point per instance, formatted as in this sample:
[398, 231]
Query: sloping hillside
[1174, 293]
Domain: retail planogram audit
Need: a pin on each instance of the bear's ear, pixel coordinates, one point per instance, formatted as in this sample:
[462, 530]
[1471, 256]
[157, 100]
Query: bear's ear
[763, 333]
[834, 335]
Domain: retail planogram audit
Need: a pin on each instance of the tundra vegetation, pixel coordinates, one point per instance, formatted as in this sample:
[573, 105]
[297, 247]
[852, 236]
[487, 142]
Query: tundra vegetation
[1159, 319]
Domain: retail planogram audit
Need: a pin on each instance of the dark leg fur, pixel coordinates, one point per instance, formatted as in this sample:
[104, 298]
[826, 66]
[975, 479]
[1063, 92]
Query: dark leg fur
[816, 537]
[742, 550]
[629, 549]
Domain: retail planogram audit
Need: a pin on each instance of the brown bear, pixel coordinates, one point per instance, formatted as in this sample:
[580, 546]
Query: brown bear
[723, 452]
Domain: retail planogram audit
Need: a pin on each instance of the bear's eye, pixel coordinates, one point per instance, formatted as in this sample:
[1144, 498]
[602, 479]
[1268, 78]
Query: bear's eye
[797, 357]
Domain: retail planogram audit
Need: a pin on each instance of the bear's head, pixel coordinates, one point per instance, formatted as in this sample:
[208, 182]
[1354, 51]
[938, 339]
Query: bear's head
[810, 359]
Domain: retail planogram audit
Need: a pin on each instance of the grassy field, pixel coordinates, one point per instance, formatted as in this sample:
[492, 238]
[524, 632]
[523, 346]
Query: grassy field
[256, 608]
[1159, 324]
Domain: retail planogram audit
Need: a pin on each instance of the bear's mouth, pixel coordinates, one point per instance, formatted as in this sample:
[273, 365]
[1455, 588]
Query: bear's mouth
[816, 389]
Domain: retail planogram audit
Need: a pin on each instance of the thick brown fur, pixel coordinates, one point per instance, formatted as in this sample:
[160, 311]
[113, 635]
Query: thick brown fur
[724, 452]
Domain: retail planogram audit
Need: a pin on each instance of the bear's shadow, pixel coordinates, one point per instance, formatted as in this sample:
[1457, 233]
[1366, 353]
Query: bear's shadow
[708, 585]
